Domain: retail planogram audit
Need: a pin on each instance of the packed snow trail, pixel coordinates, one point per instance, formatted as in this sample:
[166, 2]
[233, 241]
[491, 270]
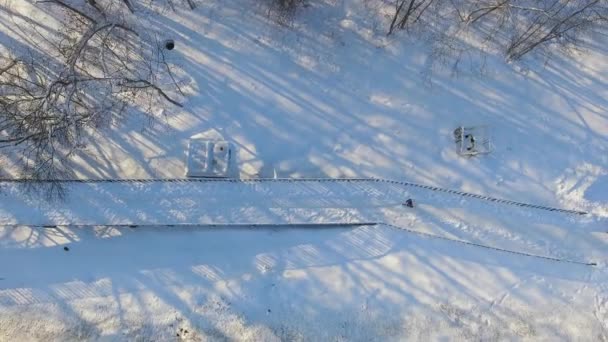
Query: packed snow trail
[333, 180]
[168, 201]
[267, 284]
[526, 229]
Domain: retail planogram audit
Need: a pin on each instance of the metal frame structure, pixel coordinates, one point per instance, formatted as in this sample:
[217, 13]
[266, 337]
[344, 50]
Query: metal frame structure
[472, 141]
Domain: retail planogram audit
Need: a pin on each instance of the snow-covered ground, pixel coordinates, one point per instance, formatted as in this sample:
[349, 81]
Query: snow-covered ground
[286, 282]
[329, 97]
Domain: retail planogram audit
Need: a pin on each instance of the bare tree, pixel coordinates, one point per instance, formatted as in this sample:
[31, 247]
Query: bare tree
[101, 67]
[560, 23]
[515, 28]
[521, 26]
[407, 13]
[283, 12]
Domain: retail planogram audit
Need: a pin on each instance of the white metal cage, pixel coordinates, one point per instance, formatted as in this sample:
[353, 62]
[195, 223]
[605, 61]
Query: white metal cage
[471, 141]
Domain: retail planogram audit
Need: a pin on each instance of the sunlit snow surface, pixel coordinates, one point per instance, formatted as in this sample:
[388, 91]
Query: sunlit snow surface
[329, 97]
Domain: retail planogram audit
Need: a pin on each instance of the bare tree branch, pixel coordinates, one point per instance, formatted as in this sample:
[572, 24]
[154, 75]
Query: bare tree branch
[102, 67]
[69, 8]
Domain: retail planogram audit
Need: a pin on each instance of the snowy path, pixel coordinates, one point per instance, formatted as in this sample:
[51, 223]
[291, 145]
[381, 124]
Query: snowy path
[241, 284]
[359, 283]
[527, 230]
[205, 196]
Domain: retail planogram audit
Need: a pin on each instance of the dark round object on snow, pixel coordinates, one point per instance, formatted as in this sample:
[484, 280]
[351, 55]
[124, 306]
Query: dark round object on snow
[66, 248]
[169, 44]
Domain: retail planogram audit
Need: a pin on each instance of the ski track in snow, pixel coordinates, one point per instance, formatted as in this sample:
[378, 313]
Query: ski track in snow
[300, 202]
[294, 255]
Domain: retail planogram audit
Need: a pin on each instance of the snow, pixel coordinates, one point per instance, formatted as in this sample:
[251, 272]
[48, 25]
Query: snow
[285, 281]
[328, 97]
[361, 284]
